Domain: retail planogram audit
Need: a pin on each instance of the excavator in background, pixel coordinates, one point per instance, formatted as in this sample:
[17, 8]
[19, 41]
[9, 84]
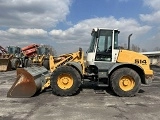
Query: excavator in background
[10, 58]
[106, 64]
[2, 50]
[41, 58]
[13, 56]
[30, 50]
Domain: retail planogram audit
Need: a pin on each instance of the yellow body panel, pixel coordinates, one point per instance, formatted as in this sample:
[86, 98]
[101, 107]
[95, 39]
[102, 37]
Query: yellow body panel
[38, 59]
[126, 56]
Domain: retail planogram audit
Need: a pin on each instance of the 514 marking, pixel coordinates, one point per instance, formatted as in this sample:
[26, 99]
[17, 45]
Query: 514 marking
[139, 61]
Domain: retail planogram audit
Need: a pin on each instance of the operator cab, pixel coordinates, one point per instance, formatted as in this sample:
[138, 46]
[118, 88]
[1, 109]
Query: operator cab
[13, 50]
[42, 50]
[103, 46]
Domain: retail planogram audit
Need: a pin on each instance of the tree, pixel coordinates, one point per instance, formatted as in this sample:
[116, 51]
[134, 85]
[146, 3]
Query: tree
[135, 48]
[144, 50]
[124, 46]
[156, 49]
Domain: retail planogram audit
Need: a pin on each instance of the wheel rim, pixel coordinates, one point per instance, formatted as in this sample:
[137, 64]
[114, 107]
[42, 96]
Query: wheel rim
[65, 81]
[126, 83]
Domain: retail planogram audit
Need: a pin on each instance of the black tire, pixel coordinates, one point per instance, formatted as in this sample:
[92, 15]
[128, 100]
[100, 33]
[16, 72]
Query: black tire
[65, 73]
[15, 63]
[25, 62]
[125, 82]
[46, 64]
[28, 63]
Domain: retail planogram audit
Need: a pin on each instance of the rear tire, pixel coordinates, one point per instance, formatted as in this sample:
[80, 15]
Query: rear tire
[65, 81]
[125, 82]
[27, 63]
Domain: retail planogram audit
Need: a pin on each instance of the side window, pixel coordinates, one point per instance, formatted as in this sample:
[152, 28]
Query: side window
[116, 40]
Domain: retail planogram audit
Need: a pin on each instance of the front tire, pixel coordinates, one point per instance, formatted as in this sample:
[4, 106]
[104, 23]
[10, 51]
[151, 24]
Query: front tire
[65, 81]
[125, 82]
[15, 63]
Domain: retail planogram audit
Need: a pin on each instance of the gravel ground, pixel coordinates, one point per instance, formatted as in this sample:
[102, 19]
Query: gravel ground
[87, 105]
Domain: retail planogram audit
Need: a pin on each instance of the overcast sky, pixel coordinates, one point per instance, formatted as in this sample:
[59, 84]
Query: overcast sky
[66, 24]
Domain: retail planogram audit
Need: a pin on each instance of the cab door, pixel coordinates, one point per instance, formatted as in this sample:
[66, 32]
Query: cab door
[106, 53]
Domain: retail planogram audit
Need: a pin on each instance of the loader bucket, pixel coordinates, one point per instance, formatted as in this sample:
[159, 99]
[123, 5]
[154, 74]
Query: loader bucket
[29, 82]
[5, 64]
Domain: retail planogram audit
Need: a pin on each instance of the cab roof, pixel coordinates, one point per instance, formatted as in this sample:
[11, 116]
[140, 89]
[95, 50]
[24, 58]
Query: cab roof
[95, 29]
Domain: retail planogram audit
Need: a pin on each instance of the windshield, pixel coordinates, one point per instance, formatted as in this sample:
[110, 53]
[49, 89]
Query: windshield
[105, 40]
[13, 50]
[43, 51]
[92, 44]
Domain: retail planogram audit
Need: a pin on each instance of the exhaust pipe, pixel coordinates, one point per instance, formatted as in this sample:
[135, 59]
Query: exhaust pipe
[129, 37]
[29, 81]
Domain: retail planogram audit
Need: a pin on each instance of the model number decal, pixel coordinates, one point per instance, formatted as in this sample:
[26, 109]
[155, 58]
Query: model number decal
[139, 61]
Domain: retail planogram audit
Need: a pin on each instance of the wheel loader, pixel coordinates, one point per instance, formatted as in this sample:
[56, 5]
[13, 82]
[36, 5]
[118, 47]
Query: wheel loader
[41, 57]
[106, 64]
[11, 59]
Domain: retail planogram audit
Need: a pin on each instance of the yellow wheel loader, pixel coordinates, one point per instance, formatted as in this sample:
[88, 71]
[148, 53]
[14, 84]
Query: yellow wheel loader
[106, 64]
[11, 59]
[41, 58]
